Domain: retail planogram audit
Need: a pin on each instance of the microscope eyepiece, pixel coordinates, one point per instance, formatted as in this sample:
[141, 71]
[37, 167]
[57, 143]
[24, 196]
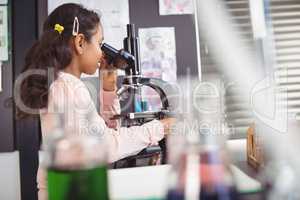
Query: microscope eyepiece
[117, 57]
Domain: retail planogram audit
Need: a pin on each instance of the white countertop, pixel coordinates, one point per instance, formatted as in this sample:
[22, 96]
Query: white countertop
[151, 182]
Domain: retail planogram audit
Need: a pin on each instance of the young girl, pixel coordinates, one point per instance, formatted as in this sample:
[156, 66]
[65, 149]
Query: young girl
[68, 47]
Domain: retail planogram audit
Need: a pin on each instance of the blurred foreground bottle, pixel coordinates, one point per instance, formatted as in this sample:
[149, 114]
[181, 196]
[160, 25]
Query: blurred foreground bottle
[217, 181]
[76, 166]
[202, 171]
[197, 148]
[281, 172]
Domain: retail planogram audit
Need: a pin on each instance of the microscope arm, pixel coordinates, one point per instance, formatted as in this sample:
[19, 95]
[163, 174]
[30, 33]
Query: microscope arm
[157, 85]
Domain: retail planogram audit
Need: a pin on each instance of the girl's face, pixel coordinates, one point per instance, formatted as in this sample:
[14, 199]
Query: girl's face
[92, 54]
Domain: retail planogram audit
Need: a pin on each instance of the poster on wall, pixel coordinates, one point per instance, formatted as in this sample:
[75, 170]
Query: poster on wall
[176, 7]
[3, 34]
[114, 17]
[158, 58]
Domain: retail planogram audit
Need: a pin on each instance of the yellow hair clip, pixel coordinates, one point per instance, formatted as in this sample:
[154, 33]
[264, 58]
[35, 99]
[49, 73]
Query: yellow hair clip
[59, 28]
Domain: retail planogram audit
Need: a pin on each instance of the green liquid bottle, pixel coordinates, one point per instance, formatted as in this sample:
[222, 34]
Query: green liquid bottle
[78, 184]
[76, 167]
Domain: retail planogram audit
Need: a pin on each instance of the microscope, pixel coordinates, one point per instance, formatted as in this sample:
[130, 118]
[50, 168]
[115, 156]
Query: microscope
[128, 60]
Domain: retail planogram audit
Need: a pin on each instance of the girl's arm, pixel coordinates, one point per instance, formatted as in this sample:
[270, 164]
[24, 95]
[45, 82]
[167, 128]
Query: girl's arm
[109, 102]
[125, 141]
[109, 107]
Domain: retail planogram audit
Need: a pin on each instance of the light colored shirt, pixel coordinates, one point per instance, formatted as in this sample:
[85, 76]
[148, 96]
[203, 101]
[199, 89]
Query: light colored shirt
[69, 96]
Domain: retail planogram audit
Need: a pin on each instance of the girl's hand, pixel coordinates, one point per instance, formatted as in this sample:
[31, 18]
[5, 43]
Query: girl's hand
[109, 80]
[117, 63]
[168, 123]
[104, 65]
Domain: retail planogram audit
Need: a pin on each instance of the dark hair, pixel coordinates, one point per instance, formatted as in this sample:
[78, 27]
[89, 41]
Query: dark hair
[53, 50]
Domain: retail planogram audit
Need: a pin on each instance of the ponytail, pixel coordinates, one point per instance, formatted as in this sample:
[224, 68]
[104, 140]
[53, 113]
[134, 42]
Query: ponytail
[52, 53]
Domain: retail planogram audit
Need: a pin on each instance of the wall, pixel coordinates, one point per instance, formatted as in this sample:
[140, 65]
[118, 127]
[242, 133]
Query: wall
[145, 13]
[10, 176]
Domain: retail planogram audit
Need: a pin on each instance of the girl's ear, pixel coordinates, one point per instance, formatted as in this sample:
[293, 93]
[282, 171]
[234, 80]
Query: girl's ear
[79, 43]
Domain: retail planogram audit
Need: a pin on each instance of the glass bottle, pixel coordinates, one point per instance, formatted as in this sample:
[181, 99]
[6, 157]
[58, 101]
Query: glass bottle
[217, 181]
[200, 162]
[201, 171]
[76, 166]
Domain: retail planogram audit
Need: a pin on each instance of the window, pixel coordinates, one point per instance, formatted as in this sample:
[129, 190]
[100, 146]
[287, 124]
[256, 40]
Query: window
[285, 15]
[235, 111]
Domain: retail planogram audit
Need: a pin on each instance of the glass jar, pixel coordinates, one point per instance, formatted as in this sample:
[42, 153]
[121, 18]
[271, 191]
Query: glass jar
[76, 166]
